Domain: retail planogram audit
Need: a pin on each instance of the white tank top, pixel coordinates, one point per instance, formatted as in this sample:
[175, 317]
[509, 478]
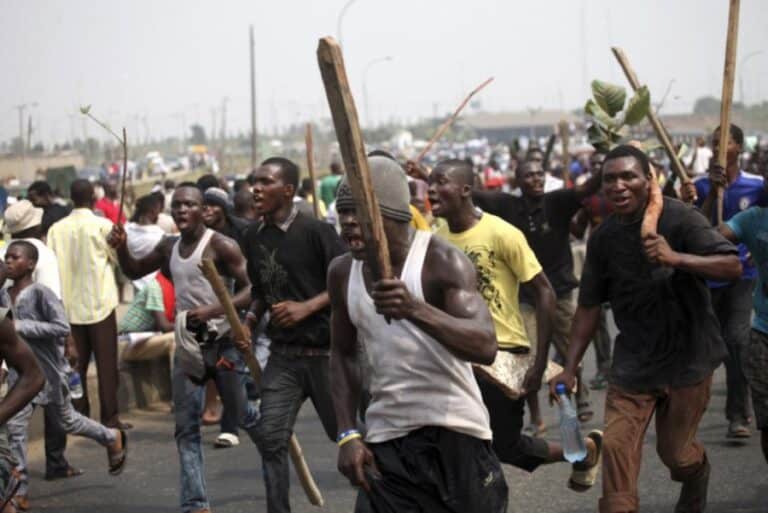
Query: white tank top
[191, 287]
[415, 381]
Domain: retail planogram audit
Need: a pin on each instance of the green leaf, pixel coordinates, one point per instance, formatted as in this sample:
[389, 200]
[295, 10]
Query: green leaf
[638, 107]
[598, 138]
[609, 97]
[593, 110]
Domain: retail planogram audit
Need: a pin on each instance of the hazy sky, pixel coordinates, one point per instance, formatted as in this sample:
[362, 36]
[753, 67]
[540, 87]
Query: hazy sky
[173, 61]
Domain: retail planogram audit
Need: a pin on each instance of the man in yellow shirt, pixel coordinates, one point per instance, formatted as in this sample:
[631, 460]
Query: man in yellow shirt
[89, 294]
[503, 261]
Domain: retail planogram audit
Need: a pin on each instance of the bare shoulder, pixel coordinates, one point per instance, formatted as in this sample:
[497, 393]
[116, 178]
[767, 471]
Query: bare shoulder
[447, 264]
[338, 273]
[224, 247]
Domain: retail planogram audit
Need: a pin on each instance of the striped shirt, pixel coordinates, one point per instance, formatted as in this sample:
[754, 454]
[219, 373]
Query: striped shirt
[88, 287]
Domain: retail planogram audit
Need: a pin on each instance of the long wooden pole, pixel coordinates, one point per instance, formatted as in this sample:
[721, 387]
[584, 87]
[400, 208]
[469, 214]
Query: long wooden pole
[311, 168]
[565, 135]
[297, 455]
[448, 122]
[125, 175]
[729, 75]
[661, 133]
[347, 125]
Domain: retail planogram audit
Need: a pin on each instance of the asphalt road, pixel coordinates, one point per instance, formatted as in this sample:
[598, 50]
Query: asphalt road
[739, 481]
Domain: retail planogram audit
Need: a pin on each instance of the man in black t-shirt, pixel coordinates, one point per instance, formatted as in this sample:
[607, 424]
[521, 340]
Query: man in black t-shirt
[288, 257]
[545, 219]
[41, 195]
[669, 340]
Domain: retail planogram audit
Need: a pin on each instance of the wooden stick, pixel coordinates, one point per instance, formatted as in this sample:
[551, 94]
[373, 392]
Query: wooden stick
[448, 122]
[565, 135]
[548, 151]
[311, 169]
[125, 174]
[300, 464]
[352, 149]
[661, 133]
[729, 75]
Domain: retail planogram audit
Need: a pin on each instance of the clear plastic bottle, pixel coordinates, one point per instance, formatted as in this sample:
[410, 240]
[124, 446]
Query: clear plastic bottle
[574, 448]
[75, 385]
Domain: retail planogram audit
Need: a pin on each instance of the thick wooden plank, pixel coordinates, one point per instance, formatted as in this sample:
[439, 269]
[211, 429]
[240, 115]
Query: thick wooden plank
[352, 148]
[726, 99]
[661, 133]
[565, 136]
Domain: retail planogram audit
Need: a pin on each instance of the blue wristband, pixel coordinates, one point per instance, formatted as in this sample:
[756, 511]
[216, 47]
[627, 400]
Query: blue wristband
[345, 434]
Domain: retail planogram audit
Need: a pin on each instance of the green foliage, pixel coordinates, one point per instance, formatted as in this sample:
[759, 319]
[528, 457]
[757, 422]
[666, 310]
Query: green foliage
[609, 118]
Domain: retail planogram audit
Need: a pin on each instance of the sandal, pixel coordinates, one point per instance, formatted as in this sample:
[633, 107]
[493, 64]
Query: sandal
[117, 460]
[583, 475]
[65, 474]
[585, 412]
[535, 430]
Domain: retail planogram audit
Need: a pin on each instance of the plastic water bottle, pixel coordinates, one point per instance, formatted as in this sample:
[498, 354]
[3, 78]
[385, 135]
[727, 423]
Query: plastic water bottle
[574, 448]
[75, 385]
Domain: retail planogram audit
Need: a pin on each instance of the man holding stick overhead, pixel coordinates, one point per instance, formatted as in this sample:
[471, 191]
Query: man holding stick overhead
[204, 347]
[288, 258]
[428, 440]
[732, 300]
[668, 343]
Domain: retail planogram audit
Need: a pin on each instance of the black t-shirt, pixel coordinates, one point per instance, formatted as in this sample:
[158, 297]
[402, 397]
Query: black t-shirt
[547, 229]
[53, 213]
[291, 266]
[668, 332]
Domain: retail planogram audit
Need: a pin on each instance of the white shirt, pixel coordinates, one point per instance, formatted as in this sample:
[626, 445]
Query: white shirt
[142, 239]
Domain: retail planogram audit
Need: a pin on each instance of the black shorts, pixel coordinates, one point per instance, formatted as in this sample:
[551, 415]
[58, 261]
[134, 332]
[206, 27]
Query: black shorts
[509, 444]
[435, 470]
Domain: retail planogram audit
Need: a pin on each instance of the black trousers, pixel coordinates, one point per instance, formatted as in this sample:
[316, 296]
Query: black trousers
[435, 470]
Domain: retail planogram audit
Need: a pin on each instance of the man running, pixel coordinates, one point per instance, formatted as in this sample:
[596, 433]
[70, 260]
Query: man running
[428, 440]
[503, 261]
[200, 316]
[669, 342]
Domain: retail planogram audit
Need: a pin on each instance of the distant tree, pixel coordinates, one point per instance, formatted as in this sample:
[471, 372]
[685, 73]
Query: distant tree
[198, 135]
[707, 106]
[38, 148]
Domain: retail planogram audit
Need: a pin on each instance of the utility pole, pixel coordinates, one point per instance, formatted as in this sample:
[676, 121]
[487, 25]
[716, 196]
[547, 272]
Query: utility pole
[253, 103]
[21, 108]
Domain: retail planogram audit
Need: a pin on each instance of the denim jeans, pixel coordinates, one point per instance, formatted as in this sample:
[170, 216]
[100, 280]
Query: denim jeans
[225, 366]
[286, 384]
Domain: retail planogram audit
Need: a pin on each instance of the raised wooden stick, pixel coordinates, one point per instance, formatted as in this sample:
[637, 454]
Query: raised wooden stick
[125, 174]
[661, 133]
[729, 75]
[297, 455]
[448, 122]
[352, 149]
[565, 135]
[547, 151]
[311, 169]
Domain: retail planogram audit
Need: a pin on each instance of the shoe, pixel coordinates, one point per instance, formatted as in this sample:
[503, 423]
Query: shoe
[693, 495]
[21, 502]
[226, 440]
[737, 430]
[63, 474]
[584, 475]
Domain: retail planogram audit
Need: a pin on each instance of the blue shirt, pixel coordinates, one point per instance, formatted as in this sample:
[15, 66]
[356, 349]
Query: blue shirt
[751, 228]
[747, 191]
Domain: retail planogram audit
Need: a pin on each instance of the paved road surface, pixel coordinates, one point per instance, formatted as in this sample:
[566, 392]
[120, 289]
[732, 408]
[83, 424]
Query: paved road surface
[739, 478]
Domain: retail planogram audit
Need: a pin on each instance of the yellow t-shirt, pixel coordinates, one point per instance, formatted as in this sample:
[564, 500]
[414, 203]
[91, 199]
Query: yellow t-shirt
[417, 220]
[503, 261]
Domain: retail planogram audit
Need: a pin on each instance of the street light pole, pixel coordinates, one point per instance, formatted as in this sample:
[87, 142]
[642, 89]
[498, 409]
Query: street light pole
[253, 103]
[21, 108]
[365, 86]
[340, 19]
[741, 72]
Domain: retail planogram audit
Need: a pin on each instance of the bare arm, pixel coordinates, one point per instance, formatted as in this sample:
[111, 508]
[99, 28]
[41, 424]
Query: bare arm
[461, 321]
[231, 262]
[546, 302]
[20, 357]
[726, 232]
[725, 267]
[584, 326]
[579, 224]
[161, 322]
[135, 268]
[590, 187]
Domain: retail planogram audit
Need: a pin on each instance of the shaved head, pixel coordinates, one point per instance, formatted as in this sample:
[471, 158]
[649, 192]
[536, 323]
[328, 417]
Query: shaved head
[459, 171]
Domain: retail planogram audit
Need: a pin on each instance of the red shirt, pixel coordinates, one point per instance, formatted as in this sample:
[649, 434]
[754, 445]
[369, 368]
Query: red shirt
[110, 209]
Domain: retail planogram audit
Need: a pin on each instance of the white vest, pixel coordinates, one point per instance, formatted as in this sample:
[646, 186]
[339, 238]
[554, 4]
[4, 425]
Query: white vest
[415, 381]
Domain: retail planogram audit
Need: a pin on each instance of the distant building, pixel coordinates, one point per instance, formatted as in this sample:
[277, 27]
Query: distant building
[503, 127]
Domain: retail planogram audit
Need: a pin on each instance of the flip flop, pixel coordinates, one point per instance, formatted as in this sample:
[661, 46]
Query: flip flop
[584, 476]
[117, 461]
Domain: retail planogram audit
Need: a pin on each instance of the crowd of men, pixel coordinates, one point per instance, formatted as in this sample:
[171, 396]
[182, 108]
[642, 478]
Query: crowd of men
[483, 274]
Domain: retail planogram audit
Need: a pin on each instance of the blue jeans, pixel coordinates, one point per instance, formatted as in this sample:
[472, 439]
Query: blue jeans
[225, 366]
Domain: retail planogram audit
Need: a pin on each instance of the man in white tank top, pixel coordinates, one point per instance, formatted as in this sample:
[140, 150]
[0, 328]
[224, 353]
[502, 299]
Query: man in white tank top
[428, 440]
[180, 259]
